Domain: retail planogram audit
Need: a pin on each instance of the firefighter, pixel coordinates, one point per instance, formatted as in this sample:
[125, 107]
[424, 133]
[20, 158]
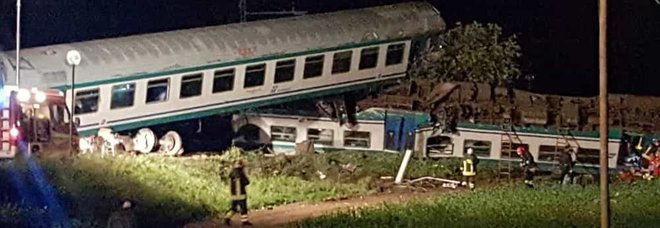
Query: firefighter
[566, 164]
[469, 168]
[124, 218]
[237, 183]
[528, 165]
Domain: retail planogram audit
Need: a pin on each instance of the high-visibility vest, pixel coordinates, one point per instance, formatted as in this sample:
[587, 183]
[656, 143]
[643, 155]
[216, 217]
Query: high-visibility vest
[468, 168]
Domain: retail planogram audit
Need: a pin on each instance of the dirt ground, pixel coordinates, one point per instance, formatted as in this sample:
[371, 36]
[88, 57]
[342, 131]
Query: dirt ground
[285, 215]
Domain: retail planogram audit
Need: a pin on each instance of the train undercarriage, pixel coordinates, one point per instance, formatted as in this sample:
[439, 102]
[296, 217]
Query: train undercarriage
[212, 133]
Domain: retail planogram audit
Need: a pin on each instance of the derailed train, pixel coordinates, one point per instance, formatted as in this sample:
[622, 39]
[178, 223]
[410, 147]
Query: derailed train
[166, 83]
[391, 130]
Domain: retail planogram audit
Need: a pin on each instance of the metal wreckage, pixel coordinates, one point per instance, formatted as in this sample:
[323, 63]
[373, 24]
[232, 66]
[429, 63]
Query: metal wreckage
[453, 102]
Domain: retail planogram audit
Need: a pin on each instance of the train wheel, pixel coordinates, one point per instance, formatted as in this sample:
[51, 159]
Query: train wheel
[144, 141]
[171, 143]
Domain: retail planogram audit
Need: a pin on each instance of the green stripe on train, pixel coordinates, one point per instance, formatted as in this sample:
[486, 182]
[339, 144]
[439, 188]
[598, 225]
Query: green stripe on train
[613, 134]
[233, 108]
[139, 76]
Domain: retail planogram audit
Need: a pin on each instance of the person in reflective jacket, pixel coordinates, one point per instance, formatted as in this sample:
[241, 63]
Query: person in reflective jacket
[237, 183]
[528, 164]
[469, 168]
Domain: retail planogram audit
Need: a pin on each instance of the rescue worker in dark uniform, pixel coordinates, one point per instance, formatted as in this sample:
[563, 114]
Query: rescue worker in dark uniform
[123, 218]
[528, 164]
[237, 183]
[469, 168]
[651, 149]
[566, 164]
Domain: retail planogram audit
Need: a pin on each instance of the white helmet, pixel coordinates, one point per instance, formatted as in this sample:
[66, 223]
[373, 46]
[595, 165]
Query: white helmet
[127, 204]
[470, 151]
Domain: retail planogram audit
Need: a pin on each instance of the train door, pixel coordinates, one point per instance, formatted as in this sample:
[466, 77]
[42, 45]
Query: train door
[393, 129]
[399, 133]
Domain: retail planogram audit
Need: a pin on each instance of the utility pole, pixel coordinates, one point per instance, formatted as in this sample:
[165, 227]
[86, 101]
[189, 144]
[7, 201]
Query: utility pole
[604, 154]
[18, 42]
[242, 6]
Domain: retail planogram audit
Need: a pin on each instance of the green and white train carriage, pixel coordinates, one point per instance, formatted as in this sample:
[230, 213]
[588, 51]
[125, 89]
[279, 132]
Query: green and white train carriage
[490, 142]
[142, 81]
[379, 130]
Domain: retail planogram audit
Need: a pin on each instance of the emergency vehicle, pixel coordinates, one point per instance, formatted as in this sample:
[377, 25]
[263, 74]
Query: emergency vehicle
[34, 121]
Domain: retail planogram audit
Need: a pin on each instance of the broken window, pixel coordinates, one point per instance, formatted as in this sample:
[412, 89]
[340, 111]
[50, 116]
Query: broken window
[341, 62]
[122, 96]
[321, 136]
[368, 58]
[191, 86]
[279, 133]
[357, 139]
[254, 75]
[441, 145]
[157, 90]
[87, 101]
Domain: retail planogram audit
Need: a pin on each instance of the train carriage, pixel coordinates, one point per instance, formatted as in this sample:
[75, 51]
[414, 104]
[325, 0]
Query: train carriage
[388, 130]
[498, 143]
[154, 79]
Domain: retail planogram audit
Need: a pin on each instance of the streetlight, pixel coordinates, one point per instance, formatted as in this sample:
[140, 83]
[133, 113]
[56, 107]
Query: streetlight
[73, 58]
[18, 42]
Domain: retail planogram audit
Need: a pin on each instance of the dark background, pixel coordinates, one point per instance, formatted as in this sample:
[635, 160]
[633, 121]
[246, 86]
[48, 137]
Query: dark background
[559, 38]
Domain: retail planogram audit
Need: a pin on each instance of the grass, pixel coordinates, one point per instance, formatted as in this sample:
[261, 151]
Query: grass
[174, 191]
[548, 206]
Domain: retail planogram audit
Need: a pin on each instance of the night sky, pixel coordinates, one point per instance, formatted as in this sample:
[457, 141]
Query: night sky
[559, 38]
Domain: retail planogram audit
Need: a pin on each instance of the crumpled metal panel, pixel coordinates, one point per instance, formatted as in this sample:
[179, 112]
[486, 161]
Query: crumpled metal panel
[128, 56]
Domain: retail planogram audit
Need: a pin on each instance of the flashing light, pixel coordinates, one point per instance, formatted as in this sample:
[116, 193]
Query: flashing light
[40, 96]
[13, 132]
[23, 95]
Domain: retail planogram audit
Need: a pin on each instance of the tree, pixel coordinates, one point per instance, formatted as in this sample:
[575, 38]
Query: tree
[472, 53]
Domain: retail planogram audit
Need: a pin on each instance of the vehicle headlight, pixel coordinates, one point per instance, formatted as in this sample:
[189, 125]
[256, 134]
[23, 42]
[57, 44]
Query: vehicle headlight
[40, 97]
[23, 95]
[13, 132]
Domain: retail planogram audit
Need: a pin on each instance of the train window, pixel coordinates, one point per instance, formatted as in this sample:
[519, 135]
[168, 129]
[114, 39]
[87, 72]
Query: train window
[122, 96]
[279, 133]
[588, 156]
[191, 85]
[548, 153]
[439, 145]
[157, 90]
[341, 62]
[357, 139]
[284, 70]
[479, 147]
[321, 136]
[87, 101]
[511, 153]
[394, 54]
[368, 58]
[223, 81]
[313, 66]
[254, 75]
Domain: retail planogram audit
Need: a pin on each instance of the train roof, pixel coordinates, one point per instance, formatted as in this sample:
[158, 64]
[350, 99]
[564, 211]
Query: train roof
[116, 58]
